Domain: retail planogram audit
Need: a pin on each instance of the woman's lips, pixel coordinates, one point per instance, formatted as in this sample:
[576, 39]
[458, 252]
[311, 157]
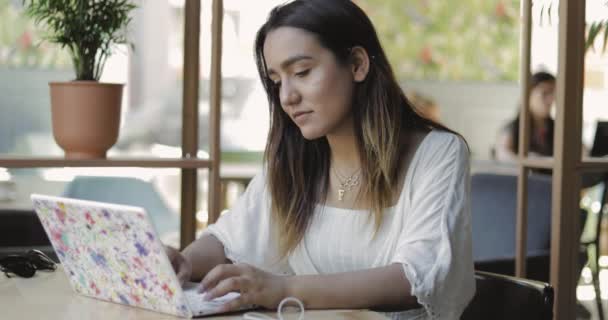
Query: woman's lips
[301, 116]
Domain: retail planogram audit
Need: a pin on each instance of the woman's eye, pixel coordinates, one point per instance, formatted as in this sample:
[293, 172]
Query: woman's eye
[302, 73]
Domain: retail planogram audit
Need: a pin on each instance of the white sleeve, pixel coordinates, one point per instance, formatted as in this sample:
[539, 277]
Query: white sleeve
[435, 244]
[245, 231]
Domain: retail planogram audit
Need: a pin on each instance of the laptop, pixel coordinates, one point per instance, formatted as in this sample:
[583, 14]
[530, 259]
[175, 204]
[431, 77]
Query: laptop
[112, 252]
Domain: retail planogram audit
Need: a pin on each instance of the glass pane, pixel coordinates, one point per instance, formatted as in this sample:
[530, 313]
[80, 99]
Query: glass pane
[155, 190]
[474, 75]
[441, 40]
[152, 97]
[452, 71]
[26, 66]
[153, 123]
[245, 118]
[595, 95]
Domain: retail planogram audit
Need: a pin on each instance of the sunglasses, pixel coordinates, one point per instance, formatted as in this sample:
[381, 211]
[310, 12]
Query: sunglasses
[25, 265]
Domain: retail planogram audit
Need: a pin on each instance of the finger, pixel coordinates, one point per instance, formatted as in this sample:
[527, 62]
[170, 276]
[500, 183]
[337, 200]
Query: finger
[234, 284]
[176, 265]
[170, 252]
[236, 304]
[183, 275]
[218, 274]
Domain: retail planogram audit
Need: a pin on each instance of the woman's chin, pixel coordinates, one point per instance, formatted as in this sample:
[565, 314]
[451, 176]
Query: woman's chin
[310, 133]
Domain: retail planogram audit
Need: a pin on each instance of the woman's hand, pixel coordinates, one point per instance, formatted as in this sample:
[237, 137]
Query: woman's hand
[181, 265]
[256, 287]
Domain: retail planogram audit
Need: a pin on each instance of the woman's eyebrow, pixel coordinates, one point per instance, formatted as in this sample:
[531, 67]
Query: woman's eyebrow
[291, 60]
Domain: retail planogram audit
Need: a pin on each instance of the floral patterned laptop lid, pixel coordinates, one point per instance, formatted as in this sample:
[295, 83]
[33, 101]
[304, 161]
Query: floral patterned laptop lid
[111, 252]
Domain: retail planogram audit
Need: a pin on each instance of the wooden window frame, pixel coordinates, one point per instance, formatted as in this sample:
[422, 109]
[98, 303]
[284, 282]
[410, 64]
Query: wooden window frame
[567, 162]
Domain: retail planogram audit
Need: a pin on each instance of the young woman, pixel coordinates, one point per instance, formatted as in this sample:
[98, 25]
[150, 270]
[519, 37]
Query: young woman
[542, 97]
[362, 202]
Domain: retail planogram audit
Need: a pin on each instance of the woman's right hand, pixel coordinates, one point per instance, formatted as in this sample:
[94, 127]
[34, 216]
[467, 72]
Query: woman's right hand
[181, 265]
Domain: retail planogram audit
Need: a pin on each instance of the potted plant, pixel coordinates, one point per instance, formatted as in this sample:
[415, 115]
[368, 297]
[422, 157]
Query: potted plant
[85, 113]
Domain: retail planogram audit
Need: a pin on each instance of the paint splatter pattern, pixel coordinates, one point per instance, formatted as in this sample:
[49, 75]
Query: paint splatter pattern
[109, 255]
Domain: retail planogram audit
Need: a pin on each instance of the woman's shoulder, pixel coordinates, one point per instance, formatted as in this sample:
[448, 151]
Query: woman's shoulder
[441, 141]
[440, 152]
[436, 150]
[259, 182]
[257, 187]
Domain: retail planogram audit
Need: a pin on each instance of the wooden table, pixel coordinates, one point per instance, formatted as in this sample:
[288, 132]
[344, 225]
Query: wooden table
[49, 296]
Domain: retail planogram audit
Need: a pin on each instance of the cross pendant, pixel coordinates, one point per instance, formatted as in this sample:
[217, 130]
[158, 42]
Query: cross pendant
[340, 194]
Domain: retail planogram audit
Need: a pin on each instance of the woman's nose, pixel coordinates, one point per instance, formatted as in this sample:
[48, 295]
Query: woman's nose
[288, 94]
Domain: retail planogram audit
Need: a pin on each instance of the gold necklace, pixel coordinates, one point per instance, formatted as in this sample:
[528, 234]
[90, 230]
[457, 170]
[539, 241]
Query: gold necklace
[347, 183]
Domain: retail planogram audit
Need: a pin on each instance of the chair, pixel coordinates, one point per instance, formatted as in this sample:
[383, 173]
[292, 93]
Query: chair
[493, 211]
[125, 191]
[503, 297]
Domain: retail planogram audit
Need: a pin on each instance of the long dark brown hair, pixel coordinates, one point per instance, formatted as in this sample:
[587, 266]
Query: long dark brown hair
[298, 169]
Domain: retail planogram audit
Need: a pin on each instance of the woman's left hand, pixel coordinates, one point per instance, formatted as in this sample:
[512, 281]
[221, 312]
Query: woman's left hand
[256, 287]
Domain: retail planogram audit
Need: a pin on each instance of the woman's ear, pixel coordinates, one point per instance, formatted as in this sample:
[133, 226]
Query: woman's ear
[359, 63]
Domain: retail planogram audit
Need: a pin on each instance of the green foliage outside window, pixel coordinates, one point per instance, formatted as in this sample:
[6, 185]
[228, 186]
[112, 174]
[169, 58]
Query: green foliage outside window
[474, 40]
[21, 45]
[424, 39]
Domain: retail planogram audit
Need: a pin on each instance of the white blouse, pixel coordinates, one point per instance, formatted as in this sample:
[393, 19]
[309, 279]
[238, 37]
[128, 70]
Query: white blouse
[428, 231]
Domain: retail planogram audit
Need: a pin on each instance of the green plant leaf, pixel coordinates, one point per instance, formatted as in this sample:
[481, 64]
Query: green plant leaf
[605, 36]
[594, 29]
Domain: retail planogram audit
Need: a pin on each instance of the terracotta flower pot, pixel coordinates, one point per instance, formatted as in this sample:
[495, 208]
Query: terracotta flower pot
[85, 117]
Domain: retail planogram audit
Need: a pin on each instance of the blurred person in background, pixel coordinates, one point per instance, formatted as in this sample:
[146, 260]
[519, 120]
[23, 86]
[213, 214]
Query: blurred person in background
[542, 98]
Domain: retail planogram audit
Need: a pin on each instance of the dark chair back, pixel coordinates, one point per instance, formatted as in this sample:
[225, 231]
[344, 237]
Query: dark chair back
[503, 297]
[493, 211]
[21, 230]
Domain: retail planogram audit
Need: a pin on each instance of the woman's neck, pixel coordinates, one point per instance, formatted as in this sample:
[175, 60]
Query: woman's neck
[344, 153]
[343, 145]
